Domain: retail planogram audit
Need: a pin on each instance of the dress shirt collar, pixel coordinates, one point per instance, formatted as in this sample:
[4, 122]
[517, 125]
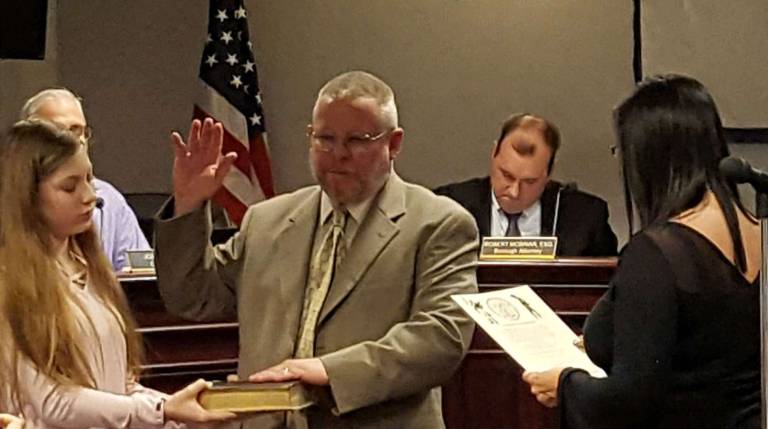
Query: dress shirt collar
[356, 211]
[529, 222]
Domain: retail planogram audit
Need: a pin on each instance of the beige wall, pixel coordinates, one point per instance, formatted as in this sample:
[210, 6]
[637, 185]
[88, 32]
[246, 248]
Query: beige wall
[135, 64]
[721, 43]
[458, 69]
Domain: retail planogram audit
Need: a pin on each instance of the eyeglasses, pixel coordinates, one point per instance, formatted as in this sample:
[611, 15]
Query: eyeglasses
[81, 132]
[353, 143]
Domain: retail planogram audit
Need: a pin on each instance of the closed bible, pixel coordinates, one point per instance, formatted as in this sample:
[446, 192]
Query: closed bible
[246, 397]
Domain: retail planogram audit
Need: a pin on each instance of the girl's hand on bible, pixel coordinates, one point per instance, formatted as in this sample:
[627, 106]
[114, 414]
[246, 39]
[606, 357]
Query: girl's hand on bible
[182, 406]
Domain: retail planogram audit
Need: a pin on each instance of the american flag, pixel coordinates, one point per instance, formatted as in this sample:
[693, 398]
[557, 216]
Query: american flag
[229, 93]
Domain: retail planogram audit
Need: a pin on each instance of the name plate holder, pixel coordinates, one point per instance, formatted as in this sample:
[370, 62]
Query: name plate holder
[141, 261]
[518, 248]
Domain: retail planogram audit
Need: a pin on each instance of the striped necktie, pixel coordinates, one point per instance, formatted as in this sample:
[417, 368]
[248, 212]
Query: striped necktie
[512, 229]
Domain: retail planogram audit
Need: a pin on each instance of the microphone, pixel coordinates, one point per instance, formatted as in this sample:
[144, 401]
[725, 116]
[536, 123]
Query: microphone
[739, 171]
[100, 207]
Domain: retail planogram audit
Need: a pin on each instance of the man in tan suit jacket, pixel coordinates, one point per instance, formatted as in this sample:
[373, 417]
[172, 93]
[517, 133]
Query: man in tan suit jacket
[388, 334]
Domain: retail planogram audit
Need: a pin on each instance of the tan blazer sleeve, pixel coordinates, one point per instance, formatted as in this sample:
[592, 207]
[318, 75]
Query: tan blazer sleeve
[197, 281]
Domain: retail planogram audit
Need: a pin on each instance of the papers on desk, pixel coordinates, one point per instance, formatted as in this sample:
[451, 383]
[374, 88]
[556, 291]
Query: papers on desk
[527, 329]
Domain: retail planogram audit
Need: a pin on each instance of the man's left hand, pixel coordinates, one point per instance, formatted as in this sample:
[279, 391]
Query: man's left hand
[309, 371]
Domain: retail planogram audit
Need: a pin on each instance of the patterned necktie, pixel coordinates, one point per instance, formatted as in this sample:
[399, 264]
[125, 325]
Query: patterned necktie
[512, 228]
[327, 258]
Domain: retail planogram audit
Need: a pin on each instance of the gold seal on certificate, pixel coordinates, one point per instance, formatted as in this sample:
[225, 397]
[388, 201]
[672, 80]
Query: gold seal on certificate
[527, 329]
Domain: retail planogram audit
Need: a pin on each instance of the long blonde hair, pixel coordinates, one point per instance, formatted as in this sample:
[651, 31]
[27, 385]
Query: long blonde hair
[37, 316]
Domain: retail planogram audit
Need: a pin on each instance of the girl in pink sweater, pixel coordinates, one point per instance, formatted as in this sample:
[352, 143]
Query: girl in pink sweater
[70, 352]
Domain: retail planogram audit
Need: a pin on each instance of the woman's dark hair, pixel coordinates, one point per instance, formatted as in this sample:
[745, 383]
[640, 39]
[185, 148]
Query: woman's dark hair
[671, 141]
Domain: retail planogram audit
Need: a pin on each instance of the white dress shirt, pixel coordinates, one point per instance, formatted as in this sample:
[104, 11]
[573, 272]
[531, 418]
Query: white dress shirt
[529, 222]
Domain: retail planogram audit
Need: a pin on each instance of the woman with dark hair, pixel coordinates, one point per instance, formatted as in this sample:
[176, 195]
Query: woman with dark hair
[678, 332]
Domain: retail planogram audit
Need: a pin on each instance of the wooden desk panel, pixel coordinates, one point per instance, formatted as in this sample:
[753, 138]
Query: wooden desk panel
[486, 391]
[567, 271]
[177, 351]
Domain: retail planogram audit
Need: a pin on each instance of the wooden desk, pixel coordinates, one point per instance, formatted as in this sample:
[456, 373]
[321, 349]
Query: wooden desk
[178, 351]
[485, 393]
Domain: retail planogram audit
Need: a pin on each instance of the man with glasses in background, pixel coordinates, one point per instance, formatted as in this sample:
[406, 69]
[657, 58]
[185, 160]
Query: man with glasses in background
[113, 219]
[344, 286]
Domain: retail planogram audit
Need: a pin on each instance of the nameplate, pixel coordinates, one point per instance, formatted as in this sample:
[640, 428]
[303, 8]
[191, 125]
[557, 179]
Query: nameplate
[140, 261]
[518, 248]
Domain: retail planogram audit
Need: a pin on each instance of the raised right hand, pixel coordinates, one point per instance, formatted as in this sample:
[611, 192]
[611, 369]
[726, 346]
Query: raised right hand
[182, 406]
[199, 167]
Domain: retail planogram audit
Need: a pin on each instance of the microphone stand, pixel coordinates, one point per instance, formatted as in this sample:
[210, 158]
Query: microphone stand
[738, 171]
[761, 211]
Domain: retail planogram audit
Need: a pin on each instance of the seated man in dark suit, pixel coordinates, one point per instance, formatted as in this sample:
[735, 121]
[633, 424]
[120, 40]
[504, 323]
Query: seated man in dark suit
[519, 199]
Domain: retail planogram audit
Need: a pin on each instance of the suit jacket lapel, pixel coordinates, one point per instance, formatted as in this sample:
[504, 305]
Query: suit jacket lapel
[483, 209]
[293, 257]
[548, 201]
[375, 232]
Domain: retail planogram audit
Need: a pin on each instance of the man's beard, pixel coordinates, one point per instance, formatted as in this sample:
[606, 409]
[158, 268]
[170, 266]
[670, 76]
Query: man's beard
[365, 188]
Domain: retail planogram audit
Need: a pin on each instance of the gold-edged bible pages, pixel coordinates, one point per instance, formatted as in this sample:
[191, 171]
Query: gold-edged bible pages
[245, 397]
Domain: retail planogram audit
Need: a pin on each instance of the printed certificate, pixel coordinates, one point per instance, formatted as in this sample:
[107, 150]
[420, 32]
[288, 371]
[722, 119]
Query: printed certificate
[527, 329]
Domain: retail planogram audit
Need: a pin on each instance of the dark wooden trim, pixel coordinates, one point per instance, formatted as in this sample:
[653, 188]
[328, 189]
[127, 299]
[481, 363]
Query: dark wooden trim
[746, 135]
[637, 51]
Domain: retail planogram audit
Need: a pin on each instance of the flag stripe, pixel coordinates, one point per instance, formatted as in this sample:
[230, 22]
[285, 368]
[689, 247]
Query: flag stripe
[242, 187]
[210, 101]
[235, 208]
[231, 144]
[260, 158]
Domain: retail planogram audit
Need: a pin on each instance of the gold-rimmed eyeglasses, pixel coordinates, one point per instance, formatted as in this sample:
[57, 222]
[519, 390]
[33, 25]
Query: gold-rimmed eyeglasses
[354, 143]
[81, 132]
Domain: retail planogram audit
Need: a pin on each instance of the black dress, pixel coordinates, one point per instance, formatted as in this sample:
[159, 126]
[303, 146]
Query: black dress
[678, 333]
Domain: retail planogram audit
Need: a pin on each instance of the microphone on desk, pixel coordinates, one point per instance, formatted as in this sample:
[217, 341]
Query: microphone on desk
[739, 171]
[570, 186]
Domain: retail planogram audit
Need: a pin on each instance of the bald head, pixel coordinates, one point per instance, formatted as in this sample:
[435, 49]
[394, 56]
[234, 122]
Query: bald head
[530, 123]
[60, 107]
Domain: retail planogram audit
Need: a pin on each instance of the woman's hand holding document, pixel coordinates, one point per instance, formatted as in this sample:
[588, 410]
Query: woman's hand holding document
[527, 329]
